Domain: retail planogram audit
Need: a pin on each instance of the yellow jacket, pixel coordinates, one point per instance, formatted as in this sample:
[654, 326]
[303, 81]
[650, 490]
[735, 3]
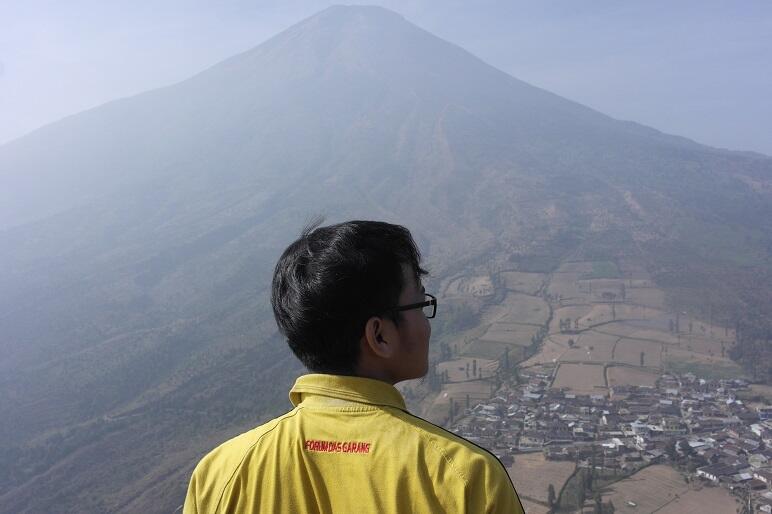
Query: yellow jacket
[349, 446]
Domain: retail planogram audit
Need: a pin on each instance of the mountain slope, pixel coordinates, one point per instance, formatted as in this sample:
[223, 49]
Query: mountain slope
[139, 237]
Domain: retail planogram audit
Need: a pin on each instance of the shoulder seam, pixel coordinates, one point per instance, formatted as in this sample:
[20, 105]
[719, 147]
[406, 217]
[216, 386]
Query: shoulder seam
[468, 441]
[238, 466]
[506, 473]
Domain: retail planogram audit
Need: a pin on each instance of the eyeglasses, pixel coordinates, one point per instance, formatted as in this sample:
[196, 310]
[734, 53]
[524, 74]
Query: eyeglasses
[429, 307]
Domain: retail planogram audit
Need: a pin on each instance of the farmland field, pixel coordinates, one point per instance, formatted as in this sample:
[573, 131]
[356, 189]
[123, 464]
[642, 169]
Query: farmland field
[629, 351]
[598, 355]
[476, 389]
[622, 375]
[573, 312]
[649, 296]
[593, 338]
[763, 391]
[519, 281]
[704, 345]
[492, 350]
[581, 378]
[683, 361]
[564, 285]
[703, 501]
[532, 473]
[655, 335]
[661, 489]
[609, 284]
[494, 313]
[437, 411]
[524, 308]
[635, 283]
[603, 269]
[712, 331]
[457, 368]
[599, 313]
[639, 312]
[620, 329]
[510, 333]
[575, 267]
[552, 349]
[591, 347]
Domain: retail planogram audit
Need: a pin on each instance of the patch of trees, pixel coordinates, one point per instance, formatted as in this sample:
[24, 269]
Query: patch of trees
[568, 325]
[455, 317]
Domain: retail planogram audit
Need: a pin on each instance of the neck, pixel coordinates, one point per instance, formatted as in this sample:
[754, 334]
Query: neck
[367, 370]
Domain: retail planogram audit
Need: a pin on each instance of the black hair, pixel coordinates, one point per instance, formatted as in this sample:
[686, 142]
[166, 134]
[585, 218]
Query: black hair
[329, 282]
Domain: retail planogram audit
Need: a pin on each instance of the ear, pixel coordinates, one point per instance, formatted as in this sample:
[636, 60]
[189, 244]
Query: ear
[378, 337]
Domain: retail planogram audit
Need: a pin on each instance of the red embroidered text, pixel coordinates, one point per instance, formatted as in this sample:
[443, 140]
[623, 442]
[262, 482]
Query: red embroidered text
[312, 445]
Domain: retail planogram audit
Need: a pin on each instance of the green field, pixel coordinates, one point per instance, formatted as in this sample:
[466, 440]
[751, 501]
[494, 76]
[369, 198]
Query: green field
[603, 269]
[715, 370]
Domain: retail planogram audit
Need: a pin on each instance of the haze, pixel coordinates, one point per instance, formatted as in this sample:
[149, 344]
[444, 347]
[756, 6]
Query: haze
[579, 259]
[696, 69]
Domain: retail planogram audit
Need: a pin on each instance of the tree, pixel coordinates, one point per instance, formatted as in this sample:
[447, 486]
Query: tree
[598, 503]
[582, 496]
[687, 450]
[551, 495]
[670, 449]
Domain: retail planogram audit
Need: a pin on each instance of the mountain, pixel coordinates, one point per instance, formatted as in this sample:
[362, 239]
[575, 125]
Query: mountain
[138, 238]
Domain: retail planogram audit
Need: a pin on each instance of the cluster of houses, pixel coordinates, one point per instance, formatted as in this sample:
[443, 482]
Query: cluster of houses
[700, 424]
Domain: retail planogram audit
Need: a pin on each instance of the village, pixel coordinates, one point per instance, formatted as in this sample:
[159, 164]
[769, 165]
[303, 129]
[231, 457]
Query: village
[698, 425]
[599, 396]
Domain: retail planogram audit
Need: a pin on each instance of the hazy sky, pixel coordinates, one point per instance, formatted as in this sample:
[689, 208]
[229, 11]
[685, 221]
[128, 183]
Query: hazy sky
[701, 69]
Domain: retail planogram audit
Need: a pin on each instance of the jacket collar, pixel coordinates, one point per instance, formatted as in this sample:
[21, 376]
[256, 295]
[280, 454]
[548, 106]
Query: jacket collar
[355, 389]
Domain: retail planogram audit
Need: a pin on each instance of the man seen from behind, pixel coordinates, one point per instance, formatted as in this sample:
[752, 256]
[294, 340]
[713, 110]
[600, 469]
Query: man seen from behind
[349, 300]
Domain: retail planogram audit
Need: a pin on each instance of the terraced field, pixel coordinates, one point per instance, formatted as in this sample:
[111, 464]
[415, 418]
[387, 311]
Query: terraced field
[524, 282]
[661, 489]
[510, 333]
[581, 378]
[532, 474]
[468, 368]
[628, 351]
[613, 321]
[623, 375]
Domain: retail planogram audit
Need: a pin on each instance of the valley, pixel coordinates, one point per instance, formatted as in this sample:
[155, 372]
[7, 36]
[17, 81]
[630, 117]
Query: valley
[550, 346]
